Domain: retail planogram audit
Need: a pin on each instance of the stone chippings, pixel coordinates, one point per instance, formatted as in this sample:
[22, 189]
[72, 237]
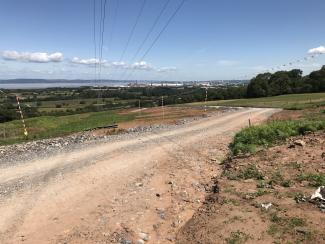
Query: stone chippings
[16, 153]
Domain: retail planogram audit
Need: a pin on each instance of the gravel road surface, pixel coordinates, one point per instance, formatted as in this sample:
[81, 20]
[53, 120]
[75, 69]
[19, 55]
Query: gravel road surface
[137, 188]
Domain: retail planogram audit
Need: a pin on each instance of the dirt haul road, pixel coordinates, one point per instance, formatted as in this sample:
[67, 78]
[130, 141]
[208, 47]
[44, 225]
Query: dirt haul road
[134, 190]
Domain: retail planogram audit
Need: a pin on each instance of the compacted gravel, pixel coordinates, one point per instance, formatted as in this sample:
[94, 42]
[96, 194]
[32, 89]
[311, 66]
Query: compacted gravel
[17, 153]
[136, 187]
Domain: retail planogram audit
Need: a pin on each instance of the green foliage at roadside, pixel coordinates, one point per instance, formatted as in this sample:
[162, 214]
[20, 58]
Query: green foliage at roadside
[315, 180]
[250, 139]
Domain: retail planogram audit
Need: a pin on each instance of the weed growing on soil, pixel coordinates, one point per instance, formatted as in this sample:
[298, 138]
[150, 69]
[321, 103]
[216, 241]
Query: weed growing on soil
[315, 180]
[284, 225]
[250, 172]
[264, 184]
[250, 139]
[277, 178]
[250, 196]
[231, 201]
[237, 237]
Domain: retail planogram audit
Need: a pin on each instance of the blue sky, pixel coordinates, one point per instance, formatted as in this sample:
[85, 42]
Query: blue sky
[208, 39]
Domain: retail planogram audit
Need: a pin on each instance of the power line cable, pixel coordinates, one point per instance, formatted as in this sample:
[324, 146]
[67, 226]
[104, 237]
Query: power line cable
[279, 67]
[163, 29]
[148, 34]
[151, 30]
[133, 29]
[94, 38]
[111, 35]
[102, 39]
[98, 61]
[161, 32]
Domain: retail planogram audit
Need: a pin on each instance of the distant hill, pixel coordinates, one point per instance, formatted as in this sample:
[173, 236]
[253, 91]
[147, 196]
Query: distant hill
[31, 81]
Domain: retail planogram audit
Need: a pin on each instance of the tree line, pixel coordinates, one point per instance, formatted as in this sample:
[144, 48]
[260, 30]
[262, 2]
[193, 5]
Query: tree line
[286, 82]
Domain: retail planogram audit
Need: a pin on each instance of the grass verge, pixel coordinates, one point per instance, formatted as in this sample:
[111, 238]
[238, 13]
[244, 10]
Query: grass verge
[52, 126]
[292, 101]
[249, 140]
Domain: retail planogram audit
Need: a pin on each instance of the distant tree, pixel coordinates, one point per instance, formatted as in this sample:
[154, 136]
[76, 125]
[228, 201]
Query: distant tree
[259, 86]
[279, 83]
[316, 80]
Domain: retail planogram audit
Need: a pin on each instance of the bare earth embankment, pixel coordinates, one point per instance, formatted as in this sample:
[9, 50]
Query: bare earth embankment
[266, 197]
[140, 188]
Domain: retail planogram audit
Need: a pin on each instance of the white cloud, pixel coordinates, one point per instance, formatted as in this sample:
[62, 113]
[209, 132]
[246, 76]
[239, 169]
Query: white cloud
[317, 50]
[90, 61]
[142, 65]
[36, 57]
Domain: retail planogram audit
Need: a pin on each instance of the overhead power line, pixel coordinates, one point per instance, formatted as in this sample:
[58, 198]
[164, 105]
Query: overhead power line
[151, 30]
[94, 38]
[148, 34]
[171, 18]
[111, 34]
[283, 66]
[163, 29]
[133, 29]
[103, 15]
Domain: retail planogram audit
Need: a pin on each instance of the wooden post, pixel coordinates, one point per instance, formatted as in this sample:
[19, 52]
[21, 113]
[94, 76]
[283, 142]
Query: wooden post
[206, 99]
[162, 106]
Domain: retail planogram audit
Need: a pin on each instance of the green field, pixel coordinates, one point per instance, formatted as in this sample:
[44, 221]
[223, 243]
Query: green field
[51, 126]
[48, 106]
[294, 101]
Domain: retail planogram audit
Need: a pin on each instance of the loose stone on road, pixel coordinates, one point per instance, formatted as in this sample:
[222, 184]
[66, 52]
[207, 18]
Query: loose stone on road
[135, 189]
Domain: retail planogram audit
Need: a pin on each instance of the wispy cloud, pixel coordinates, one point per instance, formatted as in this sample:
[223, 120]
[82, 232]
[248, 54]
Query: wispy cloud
[166, 69]
[317, 50]
[225, 62]
[91, 61]
[141, 65]
[35, 57]
[117, 64]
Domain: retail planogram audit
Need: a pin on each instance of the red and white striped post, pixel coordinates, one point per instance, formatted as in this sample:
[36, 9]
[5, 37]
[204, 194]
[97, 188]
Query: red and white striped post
[206, 99]
[22, 117]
